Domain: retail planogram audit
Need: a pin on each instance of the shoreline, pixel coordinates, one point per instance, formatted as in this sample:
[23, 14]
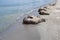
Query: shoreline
[30, 12]
[32, 31]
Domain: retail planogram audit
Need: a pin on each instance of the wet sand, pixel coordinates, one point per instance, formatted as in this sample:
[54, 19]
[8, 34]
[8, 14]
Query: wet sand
[49, 30]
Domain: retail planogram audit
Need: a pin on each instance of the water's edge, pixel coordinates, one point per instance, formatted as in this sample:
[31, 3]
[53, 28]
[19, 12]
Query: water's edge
[29, 12]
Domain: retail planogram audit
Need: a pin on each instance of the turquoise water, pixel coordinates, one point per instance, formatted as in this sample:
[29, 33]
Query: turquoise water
[11, 9]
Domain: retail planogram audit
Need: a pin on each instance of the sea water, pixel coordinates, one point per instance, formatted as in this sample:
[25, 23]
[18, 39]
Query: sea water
[11, 9]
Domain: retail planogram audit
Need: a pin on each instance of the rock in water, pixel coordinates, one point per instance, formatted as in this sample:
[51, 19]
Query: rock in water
[52, 4]
[43, 11]
[32, 20]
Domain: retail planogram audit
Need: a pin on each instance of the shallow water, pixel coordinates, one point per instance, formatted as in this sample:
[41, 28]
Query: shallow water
[11, 9]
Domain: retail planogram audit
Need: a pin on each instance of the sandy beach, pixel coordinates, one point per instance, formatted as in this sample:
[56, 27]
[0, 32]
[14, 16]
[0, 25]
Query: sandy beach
[49, 30]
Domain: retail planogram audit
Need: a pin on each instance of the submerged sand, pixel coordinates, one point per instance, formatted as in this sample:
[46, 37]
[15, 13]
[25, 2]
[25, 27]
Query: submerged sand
[49, 30]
